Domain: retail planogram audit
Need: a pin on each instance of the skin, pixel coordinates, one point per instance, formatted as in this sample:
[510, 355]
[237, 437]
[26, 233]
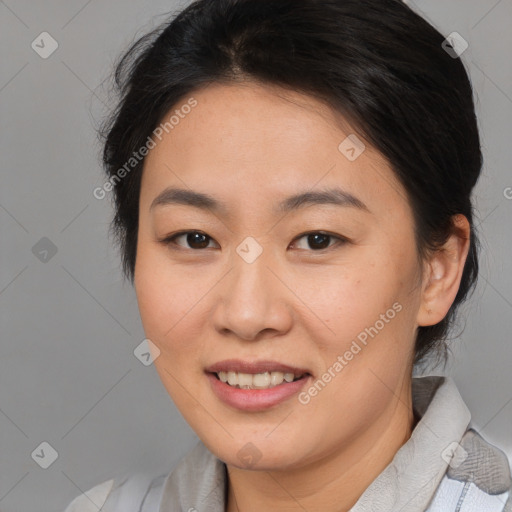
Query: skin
[251, 146]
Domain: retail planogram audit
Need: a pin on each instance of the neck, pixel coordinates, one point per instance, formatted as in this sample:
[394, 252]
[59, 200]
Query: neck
[333, 483]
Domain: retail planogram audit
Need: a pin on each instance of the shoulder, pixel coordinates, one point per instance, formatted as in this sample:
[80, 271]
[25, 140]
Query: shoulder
[127, 493]
[478, 478]
[91, 500]
[143, 492]
[198, 482]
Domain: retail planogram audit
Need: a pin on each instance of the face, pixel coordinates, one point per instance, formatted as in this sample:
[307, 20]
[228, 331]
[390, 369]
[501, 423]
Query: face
[322, 291]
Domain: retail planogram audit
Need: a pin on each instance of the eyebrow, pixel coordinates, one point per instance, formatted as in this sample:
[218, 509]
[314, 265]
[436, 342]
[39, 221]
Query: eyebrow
[334, 196]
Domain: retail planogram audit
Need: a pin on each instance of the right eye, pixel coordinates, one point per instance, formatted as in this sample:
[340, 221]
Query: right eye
[195, 239]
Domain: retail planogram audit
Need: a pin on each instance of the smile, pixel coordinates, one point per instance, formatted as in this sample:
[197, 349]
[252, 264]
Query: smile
[255, 385]
[264, 380]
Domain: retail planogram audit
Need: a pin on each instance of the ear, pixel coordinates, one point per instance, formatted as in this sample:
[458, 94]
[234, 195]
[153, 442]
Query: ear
[442, 274]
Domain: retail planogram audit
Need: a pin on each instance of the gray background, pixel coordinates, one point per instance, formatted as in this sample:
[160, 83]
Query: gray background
[68, 375]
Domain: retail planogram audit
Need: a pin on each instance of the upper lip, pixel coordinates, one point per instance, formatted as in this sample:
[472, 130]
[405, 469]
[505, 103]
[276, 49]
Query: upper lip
[253, 367]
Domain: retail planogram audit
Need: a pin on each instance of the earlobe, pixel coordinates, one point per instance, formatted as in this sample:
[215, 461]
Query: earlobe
[443, 273]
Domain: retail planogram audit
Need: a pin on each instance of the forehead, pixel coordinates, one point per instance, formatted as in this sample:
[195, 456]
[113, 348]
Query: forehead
[246, 140]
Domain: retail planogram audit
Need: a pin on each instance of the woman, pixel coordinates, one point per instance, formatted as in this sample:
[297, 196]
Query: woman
[292, 183]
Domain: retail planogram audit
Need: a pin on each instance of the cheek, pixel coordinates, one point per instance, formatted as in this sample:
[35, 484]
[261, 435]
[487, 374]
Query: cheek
[369, 310]
[163, 305]
[354, 298]
[163, 298]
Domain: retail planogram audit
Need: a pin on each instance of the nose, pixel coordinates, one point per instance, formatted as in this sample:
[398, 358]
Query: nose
[252, 300]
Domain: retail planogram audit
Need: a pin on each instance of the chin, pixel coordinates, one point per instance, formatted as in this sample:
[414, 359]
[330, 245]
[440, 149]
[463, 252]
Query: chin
[257, 453]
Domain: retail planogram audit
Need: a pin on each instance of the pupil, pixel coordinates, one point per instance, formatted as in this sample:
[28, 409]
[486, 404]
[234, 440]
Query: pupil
[192, 239]
[315, 238]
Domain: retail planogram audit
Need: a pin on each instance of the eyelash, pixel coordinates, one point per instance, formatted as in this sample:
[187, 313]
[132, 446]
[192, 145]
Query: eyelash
[170, 240]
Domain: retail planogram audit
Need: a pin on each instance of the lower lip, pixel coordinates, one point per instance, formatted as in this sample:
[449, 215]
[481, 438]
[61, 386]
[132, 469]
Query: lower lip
[255, 399]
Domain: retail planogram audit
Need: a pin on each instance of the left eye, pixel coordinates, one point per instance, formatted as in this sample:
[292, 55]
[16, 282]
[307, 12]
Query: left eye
[319, 240]
[198, 240]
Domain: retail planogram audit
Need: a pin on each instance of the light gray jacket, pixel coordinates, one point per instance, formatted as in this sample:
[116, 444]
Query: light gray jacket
[444, 467]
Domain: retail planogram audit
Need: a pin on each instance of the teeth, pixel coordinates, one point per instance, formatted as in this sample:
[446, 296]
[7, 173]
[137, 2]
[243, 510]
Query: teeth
[276, 378]
[261, 380]
[256, 381]
[244, 380]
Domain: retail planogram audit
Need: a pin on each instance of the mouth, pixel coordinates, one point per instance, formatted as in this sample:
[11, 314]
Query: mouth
[255, 374]
[265, 380]
[255, 386]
